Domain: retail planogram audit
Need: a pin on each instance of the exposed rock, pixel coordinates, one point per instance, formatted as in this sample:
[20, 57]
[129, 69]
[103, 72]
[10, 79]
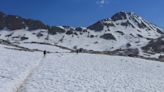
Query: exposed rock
[9, 35]
[24, 38]
[97, 26]
[92, 36]
[34, 24]
[126, 24]
[109, 24]
[161, 58]
[39, 34]
[119, 16]
[120, 32]
[69, 32]
[160, 31]
[141, 25]
[108, 36]
[78, 29]
[127, 52]
[2, 20]
[53, 30]
[139, 35]
[14, 22]
[75, 33]
[128, 45]
[156, 45]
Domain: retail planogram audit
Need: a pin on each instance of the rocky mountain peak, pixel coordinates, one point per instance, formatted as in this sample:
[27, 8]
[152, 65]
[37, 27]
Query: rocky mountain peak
[119, 16]
[126, 20]
[124, 15]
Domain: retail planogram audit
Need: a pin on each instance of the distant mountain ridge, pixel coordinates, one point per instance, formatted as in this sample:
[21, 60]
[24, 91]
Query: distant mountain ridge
[129, 18]
[14, 22]
[125, 33]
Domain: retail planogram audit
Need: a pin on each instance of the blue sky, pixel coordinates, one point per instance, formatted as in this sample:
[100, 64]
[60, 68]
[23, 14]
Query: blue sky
[82, 12]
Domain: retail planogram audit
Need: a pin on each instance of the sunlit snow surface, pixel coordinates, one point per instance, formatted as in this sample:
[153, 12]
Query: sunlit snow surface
[67, 72]
[15, 66]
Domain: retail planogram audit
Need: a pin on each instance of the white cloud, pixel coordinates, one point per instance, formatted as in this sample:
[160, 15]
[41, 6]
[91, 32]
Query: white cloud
[102, 2]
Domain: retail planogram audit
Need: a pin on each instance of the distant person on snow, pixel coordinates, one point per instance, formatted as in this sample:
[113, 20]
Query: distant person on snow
[44, 53]
[77, 51]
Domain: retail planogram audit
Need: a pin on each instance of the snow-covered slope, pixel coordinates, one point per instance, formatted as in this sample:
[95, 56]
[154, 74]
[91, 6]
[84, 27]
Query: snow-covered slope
[96, 73]
[24, 69]
[68, 72]
[123, 32]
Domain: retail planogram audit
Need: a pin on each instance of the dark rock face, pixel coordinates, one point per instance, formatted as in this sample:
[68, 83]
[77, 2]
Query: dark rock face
[39, 34]
[54, 30]
[120, 32]
[34, 24]
[2, 20]
[128, 45]
[155, 46]
[109, 24]
[126, 24]
[14, 22]
[161, 57]
[97, 26]
[24, 38]
[92, 36]
[141, 25]
[108, 36]
[139, 35]
[69, 32]
[78, 29]
[127, 52]
[119, 16]
[160, 31]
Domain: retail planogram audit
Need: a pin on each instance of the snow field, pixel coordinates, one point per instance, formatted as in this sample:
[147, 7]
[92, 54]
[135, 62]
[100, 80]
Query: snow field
[96, 73]
[15, 66]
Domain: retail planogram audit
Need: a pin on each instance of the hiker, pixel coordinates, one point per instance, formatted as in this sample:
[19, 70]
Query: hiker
[77, 51]
[44, 53]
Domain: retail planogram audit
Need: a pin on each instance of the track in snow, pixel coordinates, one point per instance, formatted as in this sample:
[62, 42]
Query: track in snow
[30, 73]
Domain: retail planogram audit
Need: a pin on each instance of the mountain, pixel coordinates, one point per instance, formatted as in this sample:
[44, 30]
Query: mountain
[125, 33]
[14, 22]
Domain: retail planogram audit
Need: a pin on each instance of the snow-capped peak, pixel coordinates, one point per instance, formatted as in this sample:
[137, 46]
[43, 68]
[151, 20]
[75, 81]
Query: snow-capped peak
[119, 16]
[124, 15]
[124, 30]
